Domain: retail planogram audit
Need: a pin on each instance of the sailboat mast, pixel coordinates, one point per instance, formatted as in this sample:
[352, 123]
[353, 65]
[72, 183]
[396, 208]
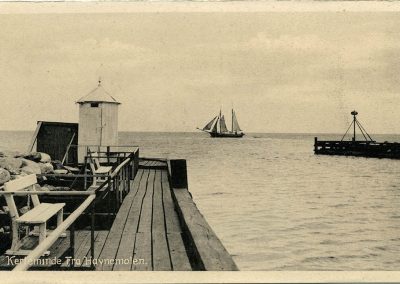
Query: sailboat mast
[220, 121]
[232, 120]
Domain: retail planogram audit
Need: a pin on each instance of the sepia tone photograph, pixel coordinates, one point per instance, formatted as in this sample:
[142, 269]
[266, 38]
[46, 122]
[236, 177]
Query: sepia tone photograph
[199, 139]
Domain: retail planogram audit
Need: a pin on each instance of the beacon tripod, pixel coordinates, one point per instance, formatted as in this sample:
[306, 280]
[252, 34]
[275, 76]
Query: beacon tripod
[355, 122]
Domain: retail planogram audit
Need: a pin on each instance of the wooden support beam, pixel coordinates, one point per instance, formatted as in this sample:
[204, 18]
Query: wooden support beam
[208, 253]
[34, 137]
[205, 250]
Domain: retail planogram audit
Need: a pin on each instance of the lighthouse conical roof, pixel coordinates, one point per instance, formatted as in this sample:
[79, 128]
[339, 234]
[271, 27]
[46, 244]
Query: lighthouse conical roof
[98, 95]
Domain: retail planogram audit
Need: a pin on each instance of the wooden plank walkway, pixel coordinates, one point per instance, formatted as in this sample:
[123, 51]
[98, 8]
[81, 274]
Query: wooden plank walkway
[158, 227]
[145, 235]
[151, 236]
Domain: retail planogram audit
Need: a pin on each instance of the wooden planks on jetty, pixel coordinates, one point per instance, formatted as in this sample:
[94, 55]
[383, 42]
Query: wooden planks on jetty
[161, 259]
[112, 243]
[160, 228]
[141, 233]
[146, 163]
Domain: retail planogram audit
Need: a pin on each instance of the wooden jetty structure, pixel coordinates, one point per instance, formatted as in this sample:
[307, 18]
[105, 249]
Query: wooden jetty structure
[153, 223]
[119, 211]
[359, 148]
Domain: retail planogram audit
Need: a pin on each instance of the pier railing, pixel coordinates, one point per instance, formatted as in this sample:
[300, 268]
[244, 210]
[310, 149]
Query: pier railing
[112, 187]
[116, 185]
[109, 151]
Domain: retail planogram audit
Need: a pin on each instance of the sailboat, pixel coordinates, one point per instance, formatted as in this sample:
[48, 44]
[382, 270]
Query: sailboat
[217, 127]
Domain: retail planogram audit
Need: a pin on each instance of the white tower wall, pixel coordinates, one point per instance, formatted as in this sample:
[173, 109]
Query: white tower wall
[98, 121]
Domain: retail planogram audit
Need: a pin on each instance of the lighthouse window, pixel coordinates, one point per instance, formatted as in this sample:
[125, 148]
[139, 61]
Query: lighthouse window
[94, 105]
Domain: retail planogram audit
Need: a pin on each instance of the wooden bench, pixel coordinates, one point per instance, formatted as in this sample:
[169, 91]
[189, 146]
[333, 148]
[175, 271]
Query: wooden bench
[98, 169]
[37, 216]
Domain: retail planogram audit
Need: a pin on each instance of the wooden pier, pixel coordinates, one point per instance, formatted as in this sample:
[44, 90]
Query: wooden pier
[156, 227]
[370, 149]
[360, 148]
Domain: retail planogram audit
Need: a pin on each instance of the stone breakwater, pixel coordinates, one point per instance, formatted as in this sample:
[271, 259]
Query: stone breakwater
[14, 165]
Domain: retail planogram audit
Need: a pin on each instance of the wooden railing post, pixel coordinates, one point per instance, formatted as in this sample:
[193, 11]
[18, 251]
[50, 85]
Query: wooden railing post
[136, 163]
[132, 167]
[125, 174]
[84, 172]
[315, 144]
[178, 173]
[128, 178]
[72, 244]
[111, 190]
[117, 183]
[92, 227]
[121, 182]
[109, 196]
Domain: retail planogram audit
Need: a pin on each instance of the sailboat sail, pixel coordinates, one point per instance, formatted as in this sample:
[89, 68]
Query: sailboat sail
[223, 125]
[209, 125]
[214, 127]
[235, 124]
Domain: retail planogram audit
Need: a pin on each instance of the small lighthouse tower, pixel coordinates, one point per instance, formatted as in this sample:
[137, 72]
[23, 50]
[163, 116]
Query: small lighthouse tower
[98, 120]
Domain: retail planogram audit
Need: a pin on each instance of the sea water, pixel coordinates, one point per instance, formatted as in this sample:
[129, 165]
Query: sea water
[277, 206]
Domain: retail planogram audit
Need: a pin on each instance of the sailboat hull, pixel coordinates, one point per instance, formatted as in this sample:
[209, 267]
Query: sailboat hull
[226, 135]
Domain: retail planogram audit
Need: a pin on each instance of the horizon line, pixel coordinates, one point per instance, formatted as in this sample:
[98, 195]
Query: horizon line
[163, 131]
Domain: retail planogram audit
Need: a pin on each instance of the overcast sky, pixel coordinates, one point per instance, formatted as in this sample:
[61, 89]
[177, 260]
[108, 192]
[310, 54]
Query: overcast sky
[282, 72]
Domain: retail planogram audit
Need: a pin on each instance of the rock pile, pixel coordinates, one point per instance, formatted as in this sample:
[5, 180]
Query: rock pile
[14, 165]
